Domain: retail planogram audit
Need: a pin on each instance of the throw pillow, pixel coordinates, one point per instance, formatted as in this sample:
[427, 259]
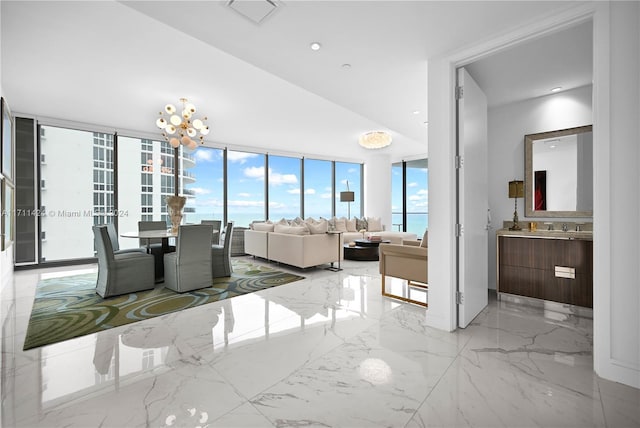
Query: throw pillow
[319, 227]
[263, 227]
[331, 222]
[423, 243]
[341, 224]
[283, 222]
[292, 230]
[351, 225]
[361, 223]
[374, 224]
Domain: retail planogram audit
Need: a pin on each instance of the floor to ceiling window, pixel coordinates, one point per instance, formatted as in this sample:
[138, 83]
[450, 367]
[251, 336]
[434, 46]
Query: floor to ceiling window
[409, 196]
[76, 190]
[89, 178]
[348, 177]
[245, 187]
[205, 190]
[284, 187]
[318, 188]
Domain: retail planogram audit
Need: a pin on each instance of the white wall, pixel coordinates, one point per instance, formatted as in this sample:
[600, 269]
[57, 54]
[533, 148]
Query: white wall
[508, 125]
[616, 181]
[616, 119]
[377, 188]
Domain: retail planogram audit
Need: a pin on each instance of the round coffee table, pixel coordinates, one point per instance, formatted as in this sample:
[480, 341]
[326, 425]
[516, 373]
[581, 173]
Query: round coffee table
[364, 250]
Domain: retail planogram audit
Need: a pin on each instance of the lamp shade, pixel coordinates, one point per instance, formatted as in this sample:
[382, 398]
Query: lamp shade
[347, 197]
[516, 189]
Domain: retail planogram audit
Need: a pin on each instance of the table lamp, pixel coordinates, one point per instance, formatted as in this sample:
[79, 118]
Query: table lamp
[516, 190]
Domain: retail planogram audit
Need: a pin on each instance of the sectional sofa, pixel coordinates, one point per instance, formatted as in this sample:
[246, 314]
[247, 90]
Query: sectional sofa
[306, 243]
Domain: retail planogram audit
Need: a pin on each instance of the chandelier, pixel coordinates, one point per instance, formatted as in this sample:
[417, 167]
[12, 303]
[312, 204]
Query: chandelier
[375, 140]
[182, 128]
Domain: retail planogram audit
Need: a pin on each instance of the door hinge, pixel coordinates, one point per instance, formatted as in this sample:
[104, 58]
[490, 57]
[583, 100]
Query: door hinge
[459, 230]
[459, 92]
[459, 161]
[459, 298]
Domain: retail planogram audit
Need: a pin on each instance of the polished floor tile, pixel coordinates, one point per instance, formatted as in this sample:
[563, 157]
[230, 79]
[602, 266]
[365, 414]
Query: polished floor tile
[327, 351]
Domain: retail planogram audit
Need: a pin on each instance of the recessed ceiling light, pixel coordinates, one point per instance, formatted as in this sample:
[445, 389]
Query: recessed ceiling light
[416, 112]
[315, 46]
[556, 89]
[346, 66]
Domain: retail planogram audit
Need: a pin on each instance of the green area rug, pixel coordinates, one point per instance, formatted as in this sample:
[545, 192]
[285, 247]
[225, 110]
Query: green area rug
[69, 307]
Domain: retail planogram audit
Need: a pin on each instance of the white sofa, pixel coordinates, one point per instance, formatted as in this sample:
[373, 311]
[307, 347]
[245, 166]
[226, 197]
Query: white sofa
[306, 243]
[302, 251]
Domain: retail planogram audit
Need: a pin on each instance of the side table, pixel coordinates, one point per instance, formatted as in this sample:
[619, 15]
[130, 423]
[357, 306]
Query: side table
[338, 235]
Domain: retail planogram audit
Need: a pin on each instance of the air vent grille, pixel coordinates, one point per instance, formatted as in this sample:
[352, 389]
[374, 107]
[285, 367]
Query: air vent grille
[255, 11]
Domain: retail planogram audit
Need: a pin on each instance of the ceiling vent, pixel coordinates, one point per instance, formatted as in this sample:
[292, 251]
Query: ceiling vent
[255, 11]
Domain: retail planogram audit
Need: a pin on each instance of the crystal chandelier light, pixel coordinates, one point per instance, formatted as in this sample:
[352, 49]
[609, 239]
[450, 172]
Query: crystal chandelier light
[375, 140]
[182, 128]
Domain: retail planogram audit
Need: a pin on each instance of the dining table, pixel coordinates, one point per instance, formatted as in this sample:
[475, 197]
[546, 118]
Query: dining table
[148, 235]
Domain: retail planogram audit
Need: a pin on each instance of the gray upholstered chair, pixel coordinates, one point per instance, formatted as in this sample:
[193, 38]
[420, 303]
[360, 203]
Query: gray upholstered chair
[120, 273]
[217, 228]
[189, 267]
[157, 246]
[115, 244]
[221, 254]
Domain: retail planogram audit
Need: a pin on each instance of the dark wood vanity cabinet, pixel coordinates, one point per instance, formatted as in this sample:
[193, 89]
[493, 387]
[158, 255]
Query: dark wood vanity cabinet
[560, 270]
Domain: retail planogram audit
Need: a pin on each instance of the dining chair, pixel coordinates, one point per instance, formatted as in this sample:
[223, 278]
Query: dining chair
[156, 246]
[189, 267]
[217, 226]
[221, 254]
[120, 273]
[115, 244]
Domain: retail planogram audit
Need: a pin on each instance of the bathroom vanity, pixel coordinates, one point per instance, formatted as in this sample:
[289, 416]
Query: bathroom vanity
[551, 265]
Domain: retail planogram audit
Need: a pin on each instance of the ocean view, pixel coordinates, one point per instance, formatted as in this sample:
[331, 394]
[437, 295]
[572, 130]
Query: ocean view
[416, 222]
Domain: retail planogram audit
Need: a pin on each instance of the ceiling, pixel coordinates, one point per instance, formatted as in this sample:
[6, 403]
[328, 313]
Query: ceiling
[117, 63]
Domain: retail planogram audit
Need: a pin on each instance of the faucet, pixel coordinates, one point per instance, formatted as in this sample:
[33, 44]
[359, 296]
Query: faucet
[578, 227]
[564, 227]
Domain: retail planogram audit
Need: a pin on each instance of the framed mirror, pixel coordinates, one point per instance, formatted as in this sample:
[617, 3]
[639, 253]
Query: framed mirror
[559, 173]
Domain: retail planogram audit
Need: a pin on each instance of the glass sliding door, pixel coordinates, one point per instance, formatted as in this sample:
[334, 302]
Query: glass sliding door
[417, 196]
[397, 196]
[409, 196]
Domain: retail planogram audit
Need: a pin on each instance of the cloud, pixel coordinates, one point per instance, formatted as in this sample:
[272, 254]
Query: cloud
[276, 178]
[199, 190]
[205, 155]
[415, 198]
[295, 191]
[310, 192]
[254, 172]
[244, 195]
[245, 203]
[423, 192]
[240, 157]
[326, 196]
[352, 170]
[413, 184]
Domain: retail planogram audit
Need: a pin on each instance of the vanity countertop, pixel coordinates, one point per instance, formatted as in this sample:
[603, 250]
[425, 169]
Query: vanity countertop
[549, 234]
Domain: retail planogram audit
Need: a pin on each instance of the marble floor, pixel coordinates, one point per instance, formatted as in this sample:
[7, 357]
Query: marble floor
[327, 351]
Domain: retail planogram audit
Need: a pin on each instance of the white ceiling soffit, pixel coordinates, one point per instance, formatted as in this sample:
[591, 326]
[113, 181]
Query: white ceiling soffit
[255, 11]
[530, 69]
